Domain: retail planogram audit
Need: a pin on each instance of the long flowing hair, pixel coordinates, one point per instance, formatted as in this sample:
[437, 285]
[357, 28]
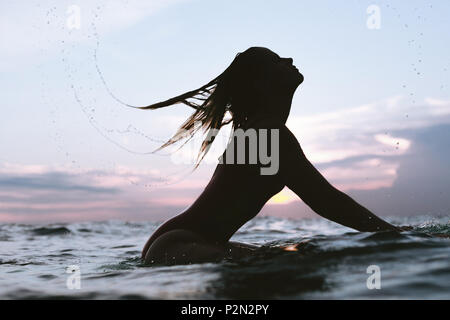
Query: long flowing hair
[229, 92]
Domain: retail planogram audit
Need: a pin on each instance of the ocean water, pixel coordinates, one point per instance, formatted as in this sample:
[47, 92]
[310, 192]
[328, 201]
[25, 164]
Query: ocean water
[330, 263]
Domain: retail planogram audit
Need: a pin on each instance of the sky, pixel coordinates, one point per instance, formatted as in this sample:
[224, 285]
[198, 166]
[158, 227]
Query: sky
[373, 114]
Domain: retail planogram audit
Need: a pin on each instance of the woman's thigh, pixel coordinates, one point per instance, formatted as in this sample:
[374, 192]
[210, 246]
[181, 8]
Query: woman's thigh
[183, 247]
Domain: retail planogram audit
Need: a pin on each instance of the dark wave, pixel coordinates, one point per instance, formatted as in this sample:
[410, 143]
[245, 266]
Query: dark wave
[50, 231]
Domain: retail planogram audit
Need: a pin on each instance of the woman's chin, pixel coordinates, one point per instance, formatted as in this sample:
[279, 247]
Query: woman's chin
[300, 78]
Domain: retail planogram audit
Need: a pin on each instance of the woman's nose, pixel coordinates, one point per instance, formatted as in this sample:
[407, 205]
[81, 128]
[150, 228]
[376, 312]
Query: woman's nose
[288, 60]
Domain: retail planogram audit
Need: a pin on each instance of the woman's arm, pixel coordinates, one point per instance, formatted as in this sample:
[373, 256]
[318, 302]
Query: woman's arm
[302, 178]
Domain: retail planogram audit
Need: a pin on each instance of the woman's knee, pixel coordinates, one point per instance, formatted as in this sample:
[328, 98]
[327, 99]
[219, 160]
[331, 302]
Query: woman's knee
[182, 247]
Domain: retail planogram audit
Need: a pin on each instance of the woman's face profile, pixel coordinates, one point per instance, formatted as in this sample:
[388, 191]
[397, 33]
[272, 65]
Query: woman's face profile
[271, 79]
[277, 73]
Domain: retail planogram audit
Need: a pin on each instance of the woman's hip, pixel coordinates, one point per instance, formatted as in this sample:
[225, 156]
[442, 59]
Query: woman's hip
[181, 246]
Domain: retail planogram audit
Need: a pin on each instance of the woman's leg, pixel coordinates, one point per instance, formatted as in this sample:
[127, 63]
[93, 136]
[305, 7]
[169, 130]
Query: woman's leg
[182, 247]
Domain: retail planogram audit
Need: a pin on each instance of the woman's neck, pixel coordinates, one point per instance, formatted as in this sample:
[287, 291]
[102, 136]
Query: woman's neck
[276, 108]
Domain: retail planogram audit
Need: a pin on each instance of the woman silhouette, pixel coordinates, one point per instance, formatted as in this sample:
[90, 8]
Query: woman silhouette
[256, 90]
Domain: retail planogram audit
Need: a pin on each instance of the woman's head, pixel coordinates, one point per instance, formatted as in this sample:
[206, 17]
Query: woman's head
[257, 79]
[254, 83]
